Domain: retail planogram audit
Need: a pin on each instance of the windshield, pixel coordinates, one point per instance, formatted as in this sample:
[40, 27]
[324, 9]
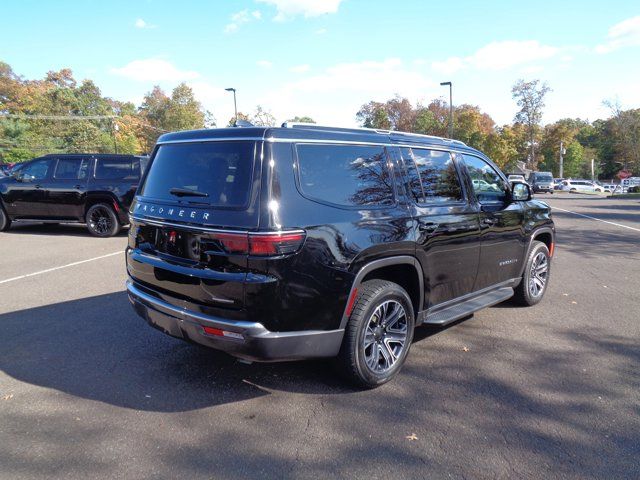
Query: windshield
[543, 177]
[211, 173]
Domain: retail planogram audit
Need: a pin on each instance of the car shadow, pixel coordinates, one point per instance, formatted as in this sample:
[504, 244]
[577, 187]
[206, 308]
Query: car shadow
[98, 348]
[66, 229]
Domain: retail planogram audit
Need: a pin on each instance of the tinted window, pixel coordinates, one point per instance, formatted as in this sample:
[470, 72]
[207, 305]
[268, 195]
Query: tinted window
[220, 171]
[487, 183]
[432, 176]
[346, 175]
[71, 169]
[37, 170]
[115, 169]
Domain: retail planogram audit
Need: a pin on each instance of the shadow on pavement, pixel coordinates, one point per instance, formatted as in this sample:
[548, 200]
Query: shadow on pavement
[508, 402]
[66, 229]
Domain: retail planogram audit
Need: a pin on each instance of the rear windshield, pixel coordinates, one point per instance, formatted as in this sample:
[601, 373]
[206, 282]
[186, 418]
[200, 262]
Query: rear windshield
[219, 173]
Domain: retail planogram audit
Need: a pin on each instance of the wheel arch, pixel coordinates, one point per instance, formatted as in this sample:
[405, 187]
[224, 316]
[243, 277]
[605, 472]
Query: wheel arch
[404, 270]
[109, 199]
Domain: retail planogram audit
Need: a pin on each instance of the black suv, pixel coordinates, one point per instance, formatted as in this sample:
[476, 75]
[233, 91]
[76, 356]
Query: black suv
[308, 241]
[85, 188]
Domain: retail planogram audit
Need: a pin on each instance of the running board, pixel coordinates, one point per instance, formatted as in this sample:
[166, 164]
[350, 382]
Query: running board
[467, 307]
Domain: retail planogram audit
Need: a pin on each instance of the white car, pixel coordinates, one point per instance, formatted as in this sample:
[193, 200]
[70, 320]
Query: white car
[581, 186]
[516, 178]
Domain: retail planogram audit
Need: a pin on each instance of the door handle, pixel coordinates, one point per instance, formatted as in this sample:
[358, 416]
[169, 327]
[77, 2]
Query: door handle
[489, 221]
[428, 227]
[37, 186]
[78, 187]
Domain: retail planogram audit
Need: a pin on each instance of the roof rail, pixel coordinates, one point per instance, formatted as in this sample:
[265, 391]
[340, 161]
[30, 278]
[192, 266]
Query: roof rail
[380, 131]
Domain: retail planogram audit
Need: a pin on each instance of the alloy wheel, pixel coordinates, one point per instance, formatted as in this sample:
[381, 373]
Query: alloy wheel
[385, 336]
[100, 220]
[538, 274]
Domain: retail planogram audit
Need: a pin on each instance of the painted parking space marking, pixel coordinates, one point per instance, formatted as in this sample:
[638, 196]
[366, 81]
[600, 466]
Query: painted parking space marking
[60, 267]
[598, 219]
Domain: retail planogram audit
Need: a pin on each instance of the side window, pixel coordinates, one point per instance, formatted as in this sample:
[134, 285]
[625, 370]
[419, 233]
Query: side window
[487, 183]
[432, 176]
[37, 170]
[114, 169]
[71, 169]
[347, 175]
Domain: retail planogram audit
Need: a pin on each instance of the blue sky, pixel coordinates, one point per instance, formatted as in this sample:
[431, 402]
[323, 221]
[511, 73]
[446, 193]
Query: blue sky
[325, 58]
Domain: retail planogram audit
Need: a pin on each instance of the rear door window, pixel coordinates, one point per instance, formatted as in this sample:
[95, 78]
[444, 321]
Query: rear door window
[345, 175]
[432, 176]
[116, 169]
[71, 169]
[218, 173]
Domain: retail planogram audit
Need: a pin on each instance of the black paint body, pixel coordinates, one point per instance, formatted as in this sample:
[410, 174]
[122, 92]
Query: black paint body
[52, 199]
[309, 290]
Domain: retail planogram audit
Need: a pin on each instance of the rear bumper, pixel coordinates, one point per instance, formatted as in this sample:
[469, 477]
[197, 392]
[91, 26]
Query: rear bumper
[247, 340]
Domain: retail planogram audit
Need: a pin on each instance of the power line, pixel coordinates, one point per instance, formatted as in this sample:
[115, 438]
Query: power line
[80, 118]
[58, 117]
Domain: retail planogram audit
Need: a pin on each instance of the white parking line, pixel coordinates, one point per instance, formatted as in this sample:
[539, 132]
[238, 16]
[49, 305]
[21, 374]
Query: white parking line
[60, 267]
[598, 219]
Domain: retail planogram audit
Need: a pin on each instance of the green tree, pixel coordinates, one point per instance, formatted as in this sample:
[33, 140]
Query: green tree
[298, 119]
[529, 96]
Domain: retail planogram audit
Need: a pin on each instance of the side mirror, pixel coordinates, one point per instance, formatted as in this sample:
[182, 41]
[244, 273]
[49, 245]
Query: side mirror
[520, 192]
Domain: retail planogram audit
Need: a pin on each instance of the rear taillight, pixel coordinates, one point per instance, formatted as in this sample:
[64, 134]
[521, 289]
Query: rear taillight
[261, 244]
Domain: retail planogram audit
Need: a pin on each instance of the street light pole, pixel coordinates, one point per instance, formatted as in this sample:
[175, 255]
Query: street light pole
[235, 105]
[562, 152]
[114, 129]
[450, 107]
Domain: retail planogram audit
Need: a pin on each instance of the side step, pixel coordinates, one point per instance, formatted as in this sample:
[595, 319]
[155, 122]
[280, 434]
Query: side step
[467, 307]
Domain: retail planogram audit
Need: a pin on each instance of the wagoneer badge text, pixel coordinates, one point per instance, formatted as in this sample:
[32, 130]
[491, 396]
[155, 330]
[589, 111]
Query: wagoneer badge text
[172, 212]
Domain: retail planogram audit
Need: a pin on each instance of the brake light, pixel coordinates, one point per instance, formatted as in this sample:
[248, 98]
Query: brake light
[261, 244]
[275, 243]
[233, 242]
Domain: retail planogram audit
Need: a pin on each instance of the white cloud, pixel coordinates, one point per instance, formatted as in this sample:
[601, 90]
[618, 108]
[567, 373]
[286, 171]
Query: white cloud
[623, 34]
[154, 70]
[287, 9]
[320, 31]
[264, 64]
[304, 68]
[337, 93]
[499, 56]
[240, 18]
[140, 23]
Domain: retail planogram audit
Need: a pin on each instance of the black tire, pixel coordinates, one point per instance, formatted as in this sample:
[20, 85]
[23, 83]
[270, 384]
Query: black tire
[5, 221]
[527, 294]
[102, 221]
[386, 353]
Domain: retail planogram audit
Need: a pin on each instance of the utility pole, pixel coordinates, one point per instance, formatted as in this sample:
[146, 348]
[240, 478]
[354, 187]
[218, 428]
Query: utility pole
[593, 173]
[562, 152]
[114, 129]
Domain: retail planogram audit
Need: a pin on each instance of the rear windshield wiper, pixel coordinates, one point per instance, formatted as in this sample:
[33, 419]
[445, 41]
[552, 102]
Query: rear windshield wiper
[185, 192]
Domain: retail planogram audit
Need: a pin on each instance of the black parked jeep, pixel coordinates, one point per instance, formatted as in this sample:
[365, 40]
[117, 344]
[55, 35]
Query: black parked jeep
[308, 241]
[85, 188]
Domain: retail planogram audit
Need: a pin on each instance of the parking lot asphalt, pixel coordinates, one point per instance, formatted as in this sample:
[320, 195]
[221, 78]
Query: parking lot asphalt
[88, 390]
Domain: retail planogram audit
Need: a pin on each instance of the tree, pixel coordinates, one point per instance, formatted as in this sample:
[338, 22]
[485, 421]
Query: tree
[241, 116]
[626, 128]
[529, 97]
[298, 119]
[263, 118]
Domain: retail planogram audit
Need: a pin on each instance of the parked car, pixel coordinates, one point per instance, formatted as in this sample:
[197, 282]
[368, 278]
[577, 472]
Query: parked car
[307, 241]
[541, 182]
[86, 188]
[516, 178]
[572, 185]
[5, 168]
